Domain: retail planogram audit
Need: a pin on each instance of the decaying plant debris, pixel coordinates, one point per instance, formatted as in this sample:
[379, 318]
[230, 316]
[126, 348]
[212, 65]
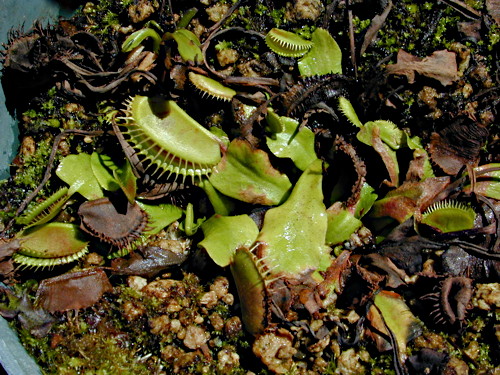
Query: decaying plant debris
[235, 187]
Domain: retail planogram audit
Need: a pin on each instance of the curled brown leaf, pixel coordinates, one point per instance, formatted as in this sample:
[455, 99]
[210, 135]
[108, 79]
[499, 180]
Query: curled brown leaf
[441, 65]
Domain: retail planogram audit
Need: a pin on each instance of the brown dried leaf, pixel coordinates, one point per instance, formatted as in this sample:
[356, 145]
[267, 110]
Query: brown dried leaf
[7, 248]
[75, 290]
[441, 65]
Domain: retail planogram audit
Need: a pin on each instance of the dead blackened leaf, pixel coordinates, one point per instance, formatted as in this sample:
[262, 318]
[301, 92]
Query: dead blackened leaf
[441, 65]
[395, 277]
[75, 290]
[148, 262]
[428, 361]
[404, 247]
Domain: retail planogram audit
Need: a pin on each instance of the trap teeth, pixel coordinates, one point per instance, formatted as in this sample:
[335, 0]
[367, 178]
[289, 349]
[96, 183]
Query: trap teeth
[167, 138]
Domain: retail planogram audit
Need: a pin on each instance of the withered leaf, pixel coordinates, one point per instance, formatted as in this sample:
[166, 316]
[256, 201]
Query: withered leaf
[8, 248]
[395, 277]
[441, 65]
[147, 262]
[73, 291]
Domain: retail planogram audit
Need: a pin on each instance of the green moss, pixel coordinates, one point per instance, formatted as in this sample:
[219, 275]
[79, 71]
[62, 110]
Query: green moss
[33, 166]
[278, 16]
[476, 4]
[223, 45]
[412, 8]
[493, 36]
[305, 31]
[360, 25]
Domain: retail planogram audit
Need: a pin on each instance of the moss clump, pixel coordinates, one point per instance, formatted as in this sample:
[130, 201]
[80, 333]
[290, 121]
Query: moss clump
[32, 165]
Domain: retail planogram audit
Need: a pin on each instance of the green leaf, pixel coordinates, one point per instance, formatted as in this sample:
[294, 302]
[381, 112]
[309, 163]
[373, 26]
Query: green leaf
[224, 234]
[398, 318]
[137, 37]
[366, 200]
[103, 167]
[388, 132]
[160, 215]
[294, 143]
[347, 109]
[488, 183]
[127, 180]
[341, 224]
[292, 239]
[246, 174]
[222, 204]
[188, 45]
[324, 57]
[77, 169]
[286, 43]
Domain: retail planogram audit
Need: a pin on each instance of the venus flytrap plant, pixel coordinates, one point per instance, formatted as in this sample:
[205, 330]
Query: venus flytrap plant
[211, 88]
[167, 140]
[449, 216]
[291, 244]
[90, 175]
[288, 140]
[188, 45]
[137, 38]
[286, 43]
[385, 138]
[46, 210]
[50, 245]
[323, 58]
